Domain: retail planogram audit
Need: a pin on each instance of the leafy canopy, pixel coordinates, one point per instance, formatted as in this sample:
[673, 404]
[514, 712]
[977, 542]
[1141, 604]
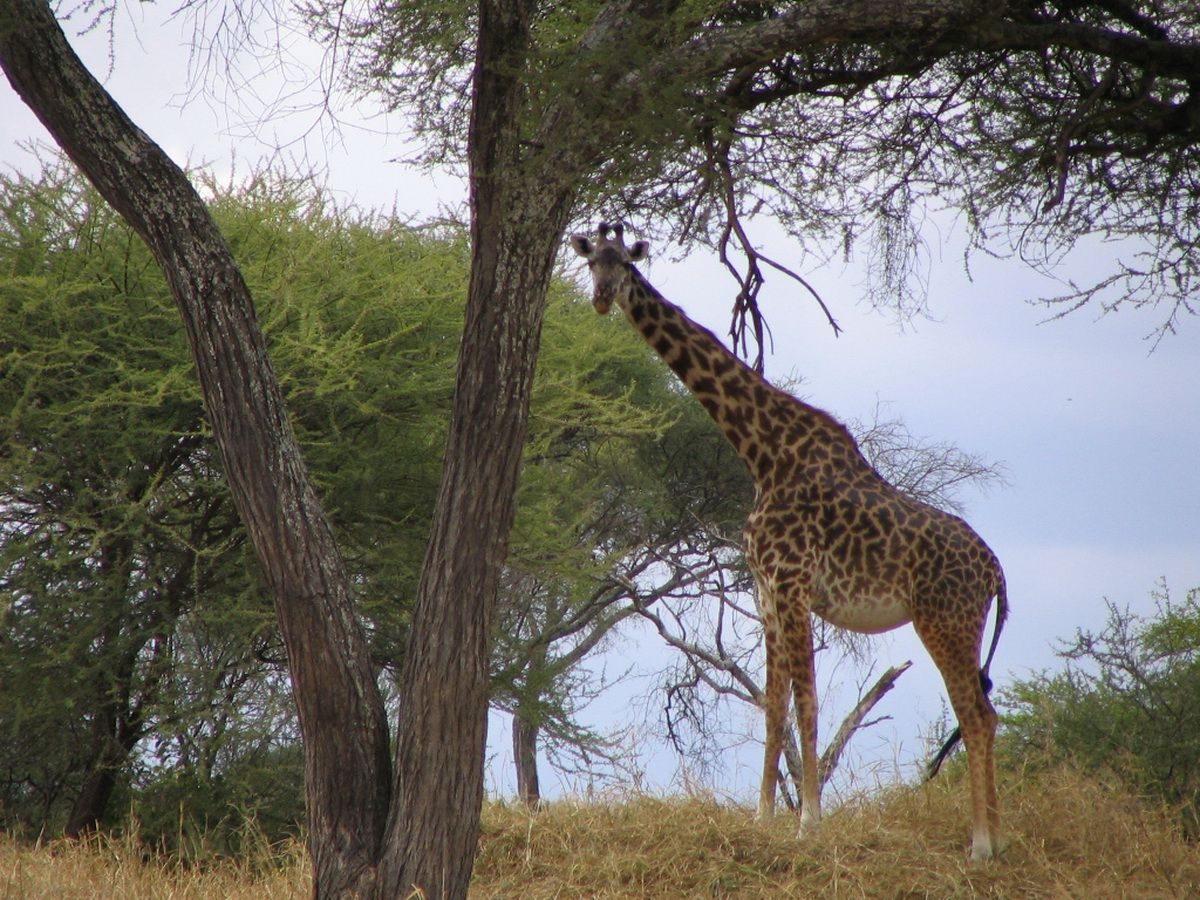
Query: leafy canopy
[1044, 125]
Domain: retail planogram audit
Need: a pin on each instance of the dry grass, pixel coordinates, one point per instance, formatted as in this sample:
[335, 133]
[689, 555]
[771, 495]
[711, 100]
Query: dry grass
[113, 868]
[1069, 836]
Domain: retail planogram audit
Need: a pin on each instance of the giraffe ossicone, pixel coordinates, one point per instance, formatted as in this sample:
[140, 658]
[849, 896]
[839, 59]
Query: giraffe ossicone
[827, 535]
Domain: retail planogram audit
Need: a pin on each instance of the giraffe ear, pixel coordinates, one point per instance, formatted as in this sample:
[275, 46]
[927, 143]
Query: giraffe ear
[581, 244]
[639, 251]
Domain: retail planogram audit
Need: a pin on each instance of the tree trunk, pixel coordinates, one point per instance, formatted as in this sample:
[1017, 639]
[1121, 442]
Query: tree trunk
[340, 710]
[117, 726]
[112, 743]
[444, 687]
[91, 803]
[517, 224]
[525, 742]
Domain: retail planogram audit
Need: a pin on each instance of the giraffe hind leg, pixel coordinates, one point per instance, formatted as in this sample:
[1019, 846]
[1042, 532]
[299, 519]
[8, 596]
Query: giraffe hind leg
[957, 657]
[979, 737]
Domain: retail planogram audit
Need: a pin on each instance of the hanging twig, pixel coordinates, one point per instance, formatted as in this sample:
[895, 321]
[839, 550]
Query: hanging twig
[746, 313]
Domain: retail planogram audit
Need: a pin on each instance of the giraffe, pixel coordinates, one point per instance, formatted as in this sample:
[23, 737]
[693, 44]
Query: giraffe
[826, 535]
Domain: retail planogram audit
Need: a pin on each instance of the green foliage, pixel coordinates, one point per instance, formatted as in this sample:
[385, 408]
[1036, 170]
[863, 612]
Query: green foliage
[138, 643]
[1125, 701]
[132, 607]
[114, 527]
[258, 798]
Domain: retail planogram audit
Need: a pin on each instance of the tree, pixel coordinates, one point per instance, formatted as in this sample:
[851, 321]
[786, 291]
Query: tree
[1043, 124]
[134, 610]
[623, 104]
[94, 390]
[341, 712]
[620, 105]
[1124, 702]
[114, 528]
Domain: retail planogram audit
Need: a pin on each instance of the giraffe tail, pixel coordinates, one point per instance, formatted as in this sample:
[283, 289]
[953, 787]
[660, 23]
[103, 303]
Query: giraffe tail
[985, 681]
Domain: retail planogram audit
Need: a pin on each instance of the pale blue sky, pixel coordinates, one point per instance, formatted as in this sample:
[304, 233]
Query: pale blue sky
[1099, 438]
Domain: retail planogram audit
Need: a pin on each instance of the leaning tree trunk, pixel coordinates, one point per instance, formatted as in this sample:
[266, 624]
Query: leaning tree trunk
[341, 712]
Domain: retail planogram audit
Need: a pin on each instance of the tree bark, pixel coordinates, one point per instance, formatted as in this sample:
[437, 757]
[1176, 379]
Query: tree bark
[517, 223]
[113, 741]
[341, 712]
[433, 833]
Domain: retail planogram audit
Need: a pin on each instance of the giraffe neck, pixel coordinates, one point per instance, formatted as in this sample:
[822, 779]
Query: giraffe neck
[768, 427]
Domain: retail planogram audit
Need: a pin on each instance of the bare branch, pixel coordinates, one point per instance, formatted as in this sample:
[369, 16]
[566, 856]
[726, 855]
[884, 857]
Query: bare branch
[855, 720]
[746, 312]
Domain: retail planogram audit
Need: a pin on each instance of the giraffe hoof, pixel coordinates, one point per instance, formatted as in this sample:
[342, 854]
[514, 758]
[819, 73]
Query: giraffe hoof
[984, 850]
[808, 824]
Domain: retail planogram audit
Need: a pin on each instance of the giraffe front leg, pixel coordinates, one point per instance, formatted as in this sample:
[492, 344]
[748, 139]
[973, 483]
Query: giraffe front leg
[775, 700]
[803, 683]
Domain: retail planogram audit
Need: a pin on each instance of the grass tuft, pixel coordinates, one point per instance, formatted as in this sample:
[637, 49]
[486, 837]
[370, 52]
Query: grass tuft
[117, 867]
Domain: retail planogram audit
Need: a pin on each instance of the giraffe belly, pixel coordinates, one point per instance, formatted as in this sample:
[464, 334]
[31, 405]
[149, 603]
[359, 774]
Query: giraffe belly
[867, 612]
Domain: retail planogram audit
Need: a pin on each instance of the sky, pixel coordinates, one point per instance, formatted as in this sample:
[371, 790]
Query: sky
[1098, 436]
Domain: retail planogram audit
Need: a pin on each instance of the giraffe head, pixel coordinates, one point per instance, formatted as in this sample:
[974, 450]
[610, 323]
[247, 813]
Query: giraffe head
[609, 260]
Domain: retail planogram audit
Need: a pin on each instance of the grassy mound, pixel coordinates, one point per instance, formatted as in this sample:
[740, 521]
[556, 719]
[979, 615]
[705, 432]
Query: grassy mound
[1069, 835]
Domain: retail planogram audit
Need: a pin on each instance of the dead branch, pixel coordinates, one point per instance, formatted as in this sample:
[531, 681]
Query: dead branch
[855, 720]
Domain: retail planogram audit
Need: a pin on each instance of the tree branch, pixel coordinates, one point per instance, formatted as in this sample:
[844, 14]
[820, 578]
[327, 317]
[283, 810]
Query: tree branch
[855, 720]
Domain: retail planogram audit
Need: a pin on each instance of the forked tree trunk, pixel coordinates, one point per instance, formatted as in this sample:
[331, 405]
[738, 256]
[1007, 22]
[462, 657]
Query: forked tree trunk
[341, 712]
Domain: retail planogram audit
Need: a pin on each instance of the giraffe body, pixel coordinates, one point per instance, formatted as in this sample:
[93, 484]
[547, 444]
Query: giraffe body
[827, 535]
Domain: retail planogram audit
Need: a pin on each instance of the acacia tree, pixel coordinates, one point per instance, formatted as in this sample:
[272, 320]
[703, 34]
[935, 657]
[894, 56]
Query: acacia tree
[1041, 123]
[172, 650]
[618, 105]
[341, 712]
[131, 609]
